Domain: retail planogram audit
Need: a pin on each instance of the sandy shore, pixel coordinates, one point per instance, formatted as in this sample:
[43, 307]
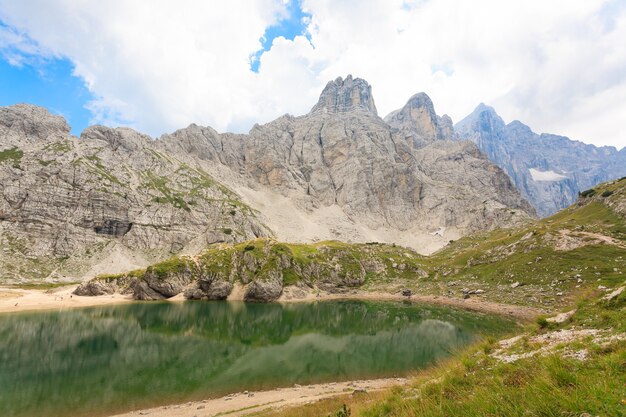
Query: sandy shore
[16, 300]
[473, 304]
[244, 403]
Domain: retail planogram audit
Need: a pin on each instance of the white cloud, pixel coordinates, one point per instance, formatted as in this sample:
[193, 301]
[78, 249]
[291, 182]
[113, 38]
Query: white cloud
[559, 65]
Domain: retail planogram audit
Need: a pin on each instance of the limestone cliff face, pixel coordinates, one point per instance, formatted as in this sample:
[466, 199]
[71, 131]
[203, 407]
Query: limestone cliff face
[549, 170]
[342, 154]
[65, 202]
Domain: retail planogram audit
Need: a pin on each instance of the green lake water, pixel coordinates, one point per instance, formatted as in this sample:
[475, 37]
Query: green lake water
[97, 361]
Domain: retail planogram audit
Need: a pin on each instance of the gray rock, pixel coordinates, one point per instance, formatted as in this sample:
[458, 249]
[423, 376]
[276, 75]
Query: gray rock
[263, 291]
[143, 292]
[613, 295]
[95, 288]
[419, 123]
[347, 95]
[209, 289]
[343, 154]
[68, 198]
[568, 166]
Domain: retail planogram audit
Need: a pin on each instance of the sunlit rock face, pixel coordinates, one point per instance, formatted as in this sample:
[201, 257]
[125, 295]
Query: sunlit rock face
[343, 154]
[67, 203]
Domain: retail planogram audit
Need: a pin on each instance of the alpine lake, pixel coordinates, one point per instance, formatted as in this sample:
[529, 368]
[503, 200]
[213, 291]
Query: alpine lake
[104, 360]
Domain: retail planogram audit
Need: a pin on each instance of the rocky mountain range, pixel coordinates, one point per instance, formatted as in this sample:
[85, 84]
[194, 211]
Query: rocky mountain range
[549, 170]
[114, 199]
[344, 166]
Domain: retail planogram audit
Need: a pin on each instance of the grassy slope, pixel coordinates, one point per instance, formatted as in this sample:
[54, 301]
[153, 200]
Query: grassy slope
[553, 260]
[548, 379]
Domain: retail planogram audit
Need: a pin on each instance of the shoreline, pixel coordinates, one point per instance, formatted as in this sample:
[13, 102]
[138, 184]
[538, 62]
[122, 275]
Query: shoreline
[14, 300]
[17, 300]
[471, 304]
[243, 403]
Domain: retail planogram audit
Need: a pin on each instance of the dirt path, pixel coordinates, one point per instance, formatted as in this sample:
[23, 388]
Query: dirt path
[244, 403]
[570, 239]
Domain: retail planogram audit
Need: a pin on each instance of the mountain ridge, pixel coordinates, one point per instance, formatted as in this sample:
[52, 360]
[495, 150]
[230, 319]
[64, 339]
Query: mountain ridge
[338, 172]
[571, 166]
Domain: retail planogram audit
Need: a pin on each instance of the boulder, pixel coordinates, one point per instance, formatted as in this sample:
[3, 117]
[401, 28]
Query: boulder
[94, 288]
[263, 291]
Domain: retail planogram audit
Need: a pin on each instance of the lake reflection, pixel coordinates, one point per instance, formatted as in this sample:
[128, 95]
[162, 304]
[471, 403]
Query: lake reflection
[101, 360]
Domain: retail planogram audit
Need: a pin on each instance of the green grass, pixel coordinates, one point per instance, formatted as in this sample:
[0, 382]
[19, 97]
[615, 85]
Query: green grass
[100, 169]
[476, 384]
[170, 267]
[94, 164]
[168, 195]
[61, 147]
[13, 156]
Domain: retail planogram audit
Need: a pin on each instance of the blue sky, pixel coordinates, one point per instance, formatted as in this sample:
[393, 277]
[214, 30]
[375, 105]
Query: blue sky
[557, 66]
[51, 83]
[48, 83]
[290, 27]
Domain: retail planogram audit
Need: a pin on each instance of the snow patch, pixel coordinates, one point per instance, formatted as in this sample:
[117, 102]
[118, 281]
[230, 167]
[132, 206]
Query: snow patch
[545, 175]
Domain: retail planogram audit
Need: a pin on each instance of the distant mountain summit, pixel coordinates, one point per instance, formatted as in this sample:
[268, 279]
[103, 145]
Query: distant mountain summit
[549, 170]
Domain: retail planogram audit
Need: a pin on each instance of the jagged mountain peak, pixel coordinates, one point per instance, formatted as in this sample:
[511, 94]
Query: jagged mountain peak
[420, 99]
[519, 128]
[418, 119]
[344, 95]
[484, 118]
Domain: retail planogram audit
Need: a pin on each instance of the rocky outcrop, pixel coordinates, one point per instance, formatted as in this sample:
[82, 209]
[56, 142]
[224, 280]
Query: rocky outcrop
[167, 284]
[66, 203]
[105, 285]
[209, 289]
[263, 267]
[549, 170]
[94, 288]
[24, 123]
[264, 291]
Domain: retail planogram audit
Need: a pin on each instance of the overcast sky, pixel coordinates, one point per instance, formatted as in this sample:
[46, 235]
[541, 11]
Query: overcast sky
[557, 65]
